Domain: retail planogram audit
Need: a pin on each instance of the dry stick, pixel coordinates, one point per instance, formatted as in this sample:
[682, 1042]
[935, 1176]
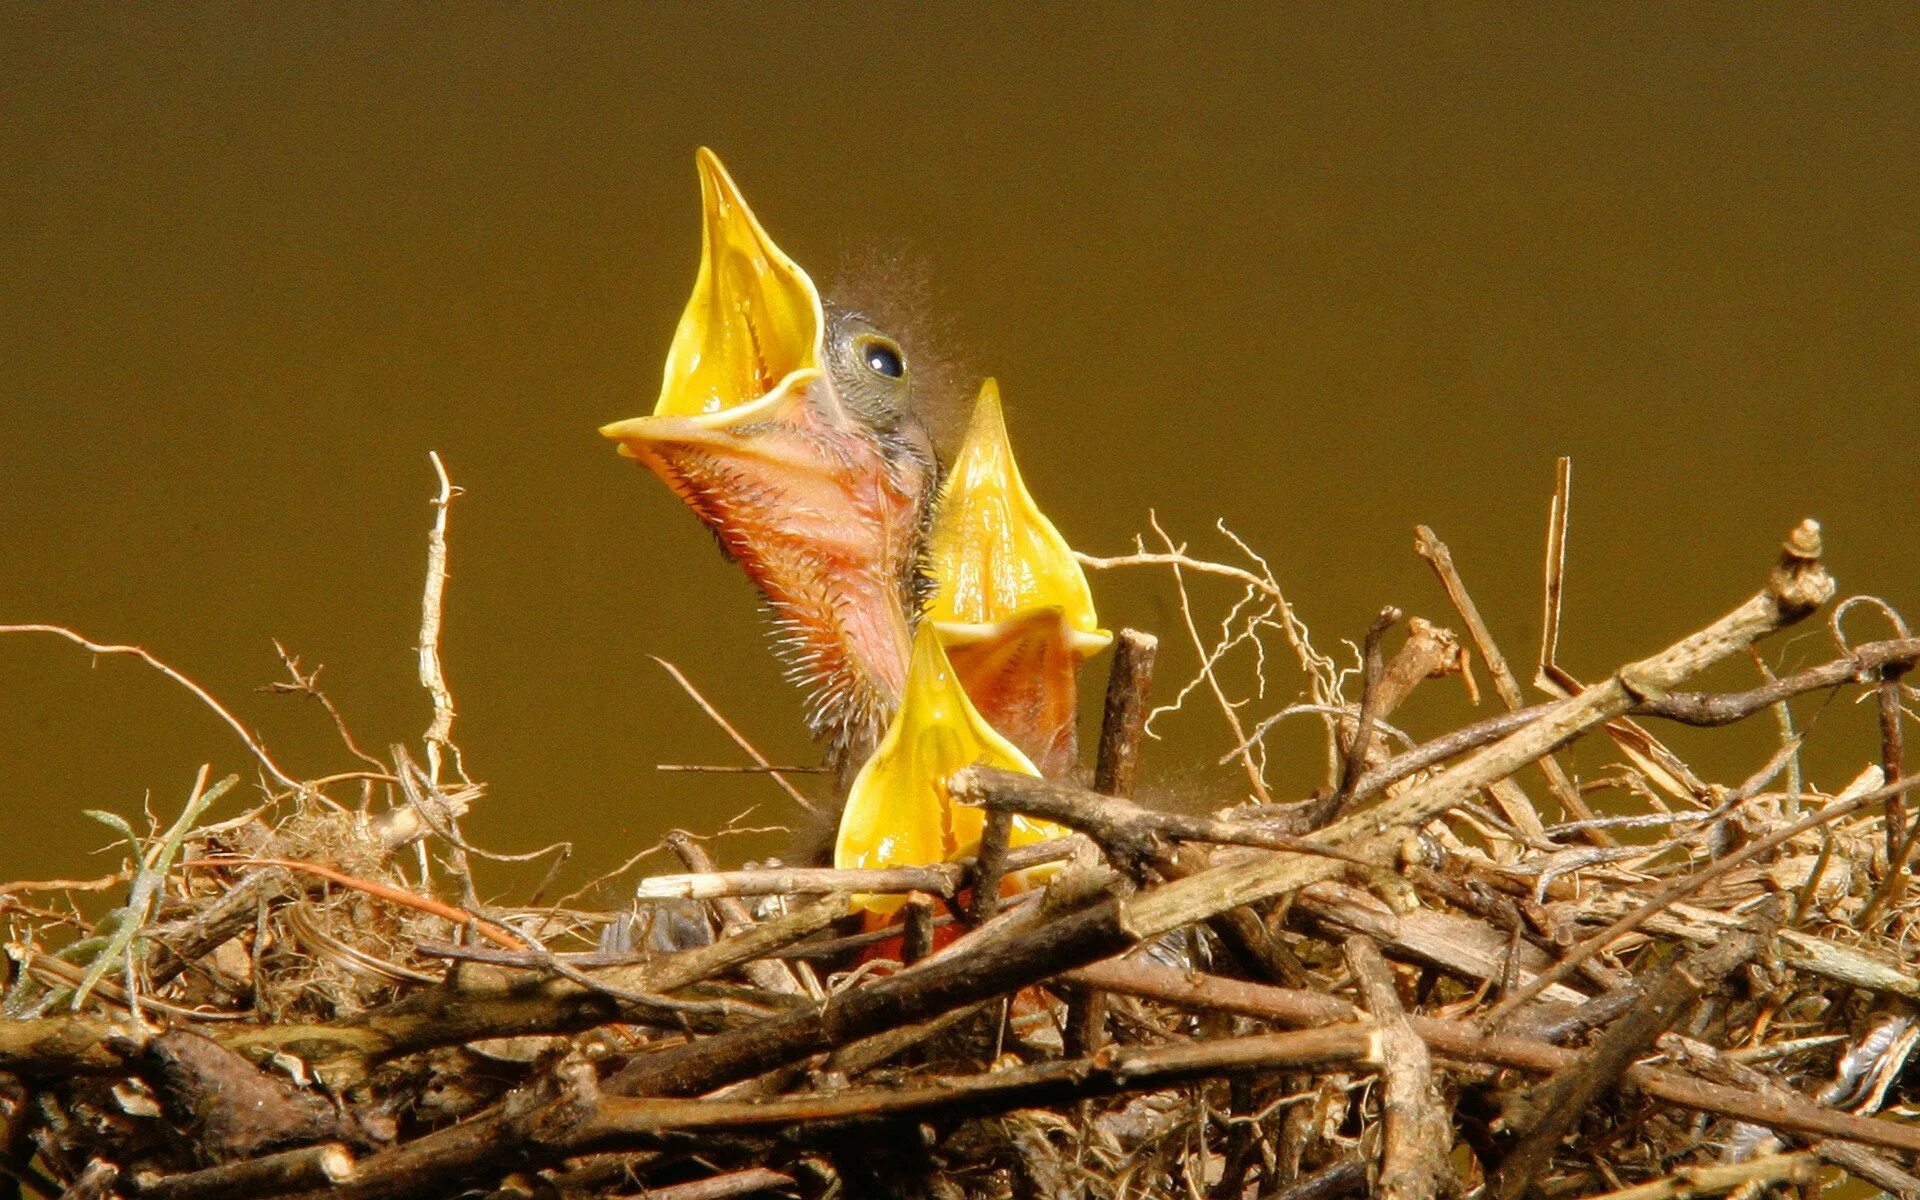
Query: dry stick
[1684, 886]
[939, 879]
[253, 743]
[917, 942]
[51, 1047]
[324, 1165]
[1555, 574]
[990, 867]
[1862, 1163]
[1900, 838]
[1460, 1042]
[1566, 1097]
[309, 685]
[1757, 1173]
[1429, 546]
[719, 1187]
[985, 966]
[1123, 723]
[1701, 709]
[475, 1005]
[739, 739]
[857, 1058]
[1124, 717]
[1797, 586]
[95, 1182]
[1348, 1177]
[736, 918]
[1418, 1137]
[1113, 1070]
[568, 1116]
[439, 735]
[1128, 832]
[1709, 709]
[1354, 763]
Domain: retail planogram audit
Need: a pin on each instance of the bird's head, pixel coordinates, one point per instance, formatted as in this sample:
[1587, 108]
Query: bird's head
[791, 429]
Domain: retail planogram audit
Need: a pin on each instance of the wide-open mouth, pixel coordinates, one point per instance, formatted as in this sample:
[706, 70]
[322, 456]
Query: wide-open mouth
[754, 317]
[995, 556]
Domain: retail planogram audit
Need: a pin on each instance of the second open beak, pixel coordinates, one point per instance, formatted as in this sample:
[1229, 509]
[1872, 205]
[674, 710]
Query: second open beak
[1012, 604]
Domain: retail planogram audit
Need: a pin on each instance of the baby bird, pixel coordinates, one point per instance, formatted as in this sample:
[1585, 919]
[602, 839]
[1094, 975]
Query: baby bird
[794, 431]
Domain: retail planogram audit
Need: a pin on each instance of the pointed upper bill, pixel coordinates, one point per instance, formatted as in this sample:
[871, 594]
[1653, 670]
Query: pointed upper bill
[749, 431]
[995, 555]
[754, 317]
[899, 812]
[1013, 604]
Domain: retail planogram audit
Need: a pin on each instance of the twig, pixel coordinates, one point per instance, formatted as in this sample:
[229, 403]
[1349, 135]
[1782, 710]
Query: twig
[1555, 574]
[1561, 1101]
[759, 760]
[1124, 717]
[1355, 760]
[325, 1165]
[1129, 833]
[1122, 728]
[1429, 546]
[720, 1187]
[439, 735]
[95, 1182]
[253, 743]
[735, 919]
[940, 879]
[917, 940]
[1417, 1137]
[1797, 586]
[1684, 886]
[990, 866]
[1800, 1168]
[1460, 1042]
[309, 685]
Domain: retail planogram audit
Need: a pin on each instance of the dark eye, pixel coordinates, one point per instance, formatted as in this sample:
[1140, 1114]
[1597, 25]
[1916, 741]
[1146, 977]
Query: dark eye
[882, 358]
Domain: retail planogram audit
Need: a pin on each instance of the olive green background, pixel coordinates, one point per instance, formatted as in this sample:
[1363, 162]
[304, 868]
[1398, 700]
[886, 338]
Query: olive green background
[1323, 272]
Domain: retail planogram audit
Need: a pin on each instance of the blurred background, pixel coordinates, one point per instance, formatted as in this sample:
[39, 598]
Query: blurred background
[1320, 272]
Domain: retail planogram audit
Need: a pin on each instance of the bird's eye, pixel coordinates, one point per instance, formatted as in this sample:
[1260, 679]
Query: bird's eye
[882, 358]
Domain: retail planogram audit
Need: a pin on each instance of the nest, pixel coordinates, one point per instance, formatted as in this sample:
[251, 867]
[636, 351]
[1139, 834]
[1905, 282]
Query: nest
[1412, 983]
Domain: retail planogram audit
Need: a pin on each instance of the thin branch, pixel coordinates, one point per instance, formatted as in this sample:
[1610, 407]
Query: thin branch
[759, 760]
[253, 743]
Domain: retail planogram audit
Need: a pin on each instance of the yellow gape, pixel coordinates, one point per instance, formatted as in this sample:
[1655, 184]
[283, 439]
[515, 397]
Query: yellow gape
[754, 317]
[899, 812]
[1012, 606]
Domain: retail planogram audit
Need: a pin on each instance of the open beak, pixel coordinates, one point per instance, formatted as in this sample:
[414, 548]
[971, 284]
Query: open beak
[898, 811]
[1012, 604]
[749, 432]
[753, 319]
